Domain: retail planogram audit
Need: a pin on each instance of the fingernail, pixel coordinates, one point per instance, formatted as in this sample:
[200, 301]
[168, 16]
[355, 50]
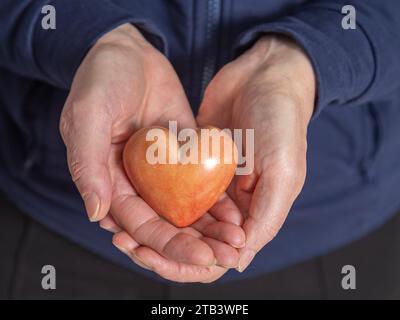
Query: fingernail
[238, 243]
[92, 205]
[108, 228]
[131, 253]
[245, 260]
[140, 262]
[122, 249]
[239, 246]
[127, 248]
[224, 266]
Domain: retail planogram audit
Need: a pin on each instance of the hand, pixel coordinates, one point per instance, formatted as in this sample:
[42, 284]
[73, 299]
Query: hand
[271, 89]
[124, 84]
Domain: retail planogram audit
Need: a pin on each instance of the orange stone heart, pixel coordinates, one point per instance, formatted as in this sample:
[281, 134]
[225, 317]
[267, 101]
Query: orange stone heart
[182, 188]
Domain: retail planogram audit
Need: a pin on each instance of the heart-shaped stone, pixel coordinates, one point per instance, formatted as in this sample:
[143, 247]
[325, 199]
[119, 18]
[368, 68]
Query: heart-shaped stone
[188, 183]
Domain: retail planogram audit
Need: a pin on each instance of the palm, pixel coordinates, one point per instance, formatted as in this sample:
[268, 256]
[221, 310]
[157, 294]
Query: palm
[249, 95]
[124, 84]
[163, 100]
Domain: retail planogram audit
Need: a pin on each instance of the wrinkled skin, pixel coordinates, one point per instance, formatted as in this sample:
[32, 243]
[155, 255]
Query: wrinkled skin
[124, 84]
[271, 89]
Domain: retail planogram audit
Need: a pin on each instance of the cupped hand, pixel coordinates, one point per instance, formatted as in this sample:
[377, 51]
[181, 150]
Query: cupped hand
[124, 84]
[271, 89]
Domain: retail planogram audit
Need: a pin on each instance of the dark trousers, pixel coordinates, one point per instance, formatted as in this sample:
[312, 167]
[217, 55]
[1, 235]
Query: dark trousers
[26, 246]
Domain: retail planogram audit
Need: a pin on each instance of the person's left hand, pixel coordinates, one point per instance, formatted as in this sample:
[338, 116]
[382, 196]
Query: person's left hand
[271, 89]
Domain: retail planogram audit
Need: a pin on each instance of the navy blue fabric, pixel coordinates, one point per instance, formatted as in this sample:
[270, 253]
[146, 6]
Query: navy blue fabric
[354, 147]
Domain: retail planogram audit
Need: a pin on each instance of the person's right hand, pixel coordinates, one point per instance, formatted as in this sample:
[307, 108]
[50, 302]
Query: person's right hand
[124, 84]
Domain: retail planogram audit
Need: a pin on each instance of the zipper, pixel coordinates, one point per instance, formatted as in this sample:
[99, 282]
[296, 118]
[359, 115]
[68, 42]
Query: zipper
[211, 48]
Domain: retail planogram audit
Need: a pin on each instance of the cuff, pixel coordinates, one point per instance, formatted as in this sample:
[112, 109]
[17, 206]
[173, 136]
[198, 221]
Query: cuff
[342, 59]
[79, 24]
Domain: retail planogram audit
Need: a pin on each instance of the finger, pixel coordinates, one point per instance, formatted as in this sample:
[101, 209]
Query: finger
[222, 231]
[171, 270]
[226, 256]
[212, 104]
[148, 229]
[270, 205]
[108, 223]
[124, 242]
[86, 131]
[178, 272]
[226, 210]
[127, 245]
[241, 190]
[137, 218]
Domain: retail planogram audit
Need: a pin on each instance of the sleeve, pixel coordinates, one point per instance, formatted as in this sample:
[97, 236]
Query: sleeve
[351, 65]
[53, 55]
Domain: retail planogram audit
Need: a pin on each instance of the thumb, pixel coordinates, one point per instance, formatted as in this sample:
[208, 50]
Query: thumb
[215, 111]
[270, 204]
[86, 132]
[180, 112]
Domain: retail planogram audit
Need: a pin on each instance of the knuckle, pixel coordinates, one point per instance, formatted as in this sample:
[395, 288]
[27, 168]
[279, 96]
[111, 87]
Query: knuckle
[64, 125]
[289, 174]
[77, 169]
[267, 231]
[299, 175]
[270, 232]
[70, 113]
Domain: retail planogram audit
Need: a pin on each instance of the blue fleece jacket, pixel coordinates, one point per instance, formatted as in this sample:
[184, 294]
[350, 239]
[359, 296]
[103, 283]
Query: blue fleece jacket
[353, 177]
